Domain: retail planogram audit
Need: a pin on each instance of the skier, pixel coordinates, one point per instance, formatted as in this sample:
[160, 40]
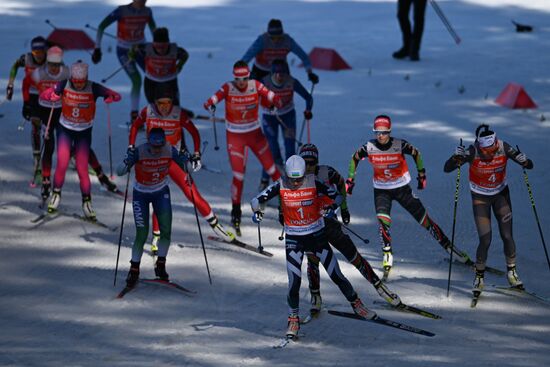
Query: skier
[284, 85]
[30, 61]
[131, 20]
[152, 161]
[78, 98]
[44, 77]
[164, 114]
[243, 129]
[335, 236]
[305, 232]
[488, 157]
[163, 62]
[391, 182]
[275, 44]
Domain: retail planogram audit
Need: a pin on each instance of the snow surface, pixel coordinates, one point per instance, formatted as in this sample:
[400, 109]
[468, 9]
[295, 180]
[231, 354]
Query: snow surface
[57, 305]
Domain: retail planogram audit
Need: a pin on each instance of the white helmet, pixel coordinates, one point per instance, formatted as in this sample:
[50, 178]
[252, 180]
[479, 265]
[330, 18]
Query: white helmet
[79, 71]
[295, 167]
[55, 55]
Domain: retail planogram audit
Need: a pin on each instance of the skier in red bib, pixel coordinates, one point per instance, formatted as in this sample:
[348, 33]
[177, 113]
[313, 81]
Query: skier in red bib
[172, 119]
[391, 182]
[488, 158]
[74, 132]
[243, 131]
[304, 225]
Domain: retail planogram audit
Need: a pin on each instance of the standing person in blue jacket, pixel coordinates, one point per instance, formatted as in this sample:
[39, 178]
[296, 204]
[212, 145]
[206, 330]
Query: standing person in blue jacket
[275, 44]
[131, 21]
[284, 85]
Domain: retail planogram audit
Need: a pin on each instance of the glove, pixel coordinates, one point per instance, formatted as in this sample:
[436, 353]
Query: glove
[257, 217]
[281, 217]
[9, 92]
[313, 77]
[49, 95]
[460, 151]
[308, 115]
[345, 215]
[190, 114]
[421, 180]
[112, 97]
[209, 106]
[350, 183]
[131, 156]
[328, 211]
[96, 56]
[521, 158]
[26, 111]
[195, 162]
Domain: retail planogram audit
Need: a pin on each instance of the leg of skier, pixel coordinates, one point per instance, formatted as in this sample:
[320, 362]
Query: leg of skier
[294, 257]
[140, 204]
[270, 127]
[162, 206]
[236, 144]
[382, 202]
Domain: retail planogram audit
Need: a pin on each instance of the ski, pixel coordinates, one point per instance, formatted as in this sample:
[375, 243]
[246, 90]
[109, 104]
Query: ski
[170, 284]
[475, 298]
[471, 264]
[285, 341]
[124, 291]
[211, 169]
[382, 321]
[241, 244]
[514, 291]
[92, 221]
[44, 218]
[407, 308]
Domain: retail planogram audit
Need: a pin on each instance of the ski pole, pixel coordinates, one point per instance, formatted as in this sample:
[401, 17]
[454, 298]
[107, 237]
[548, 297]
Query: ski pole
[105, 33]
[46, 133]
[21, 126]
[304, 121]
[260, 247]
[457, 188]
[282, 236]
[110, 133]
[278, 117]
[532, 198]
[116, 71]
[209, 118]
[122, 224]
[72, 39]
[213, 118]
[190, 183]
[445, 21]
[365, 240]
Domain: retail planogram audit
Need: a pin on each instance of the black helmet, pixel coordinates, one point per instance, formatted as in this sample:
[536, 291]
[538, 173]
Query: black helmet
[310, 153]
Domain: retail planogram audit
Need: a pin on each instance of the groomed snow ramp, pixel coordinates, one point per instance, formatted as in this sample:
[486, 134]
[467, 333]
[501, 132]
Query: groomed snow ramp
[327, 59]
[514, 96]
[71, 39]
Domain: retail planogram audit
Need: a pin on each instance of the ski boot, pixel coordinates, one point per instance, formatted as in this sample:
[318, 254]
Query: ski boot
[236, 218]
[360, 309]
[105, 182]
[479, 282]
[401, 53]
[133, 274]
[388, 296]
[154, 243]
[160, 268]
[46, 187]
[87, 208]
[387, 261]
[220, 231]
[293, 326]
[316, 303]
[55, 199]
[513, 277]
[263, 184]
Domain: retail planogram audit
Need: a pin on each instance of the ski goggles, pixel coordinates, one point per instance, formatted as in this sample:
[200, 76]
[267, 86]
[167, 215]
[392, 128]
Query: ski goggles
[387, 132]
[242, 79]
[296, 180]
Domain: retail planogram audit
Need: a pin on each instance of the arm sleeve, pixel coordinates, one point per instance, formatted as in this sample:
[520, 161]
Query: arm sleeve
[219, 95]
[100, 91]
[136, 124]
[253, 50]
[329, 191]
[188, 125]
[408, 148]
[152, 24]
[453, 163]
[264, 92]
[20, 62]
[182, 56]
[257, 203]
[513, 153]
[298, 51]
[358, 156]
[334, 178]
[109, 19]
[302, 92]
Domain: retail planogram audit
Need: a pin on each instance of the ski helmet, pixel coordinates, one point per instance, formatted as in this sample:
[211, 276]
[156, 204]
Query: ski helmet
[164, 91]
[485, 137]
[295, 167]
[79, 71]
[309, 152]
[275, 27]
[382, 123]
[55, 55]
[241, 70]
[39, 43]
[161, 35]
[156, 137]
[279, 66]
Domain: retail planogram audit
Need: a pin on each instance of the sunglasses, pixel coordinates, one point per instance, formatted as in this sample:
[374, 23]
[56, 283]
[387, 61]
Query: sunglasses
[297, 180]
[242, 79]
[382, 133]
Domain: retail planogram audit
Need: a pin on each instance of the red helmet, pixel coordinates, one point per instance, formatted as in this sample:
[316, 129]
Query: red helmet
[382, 123]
